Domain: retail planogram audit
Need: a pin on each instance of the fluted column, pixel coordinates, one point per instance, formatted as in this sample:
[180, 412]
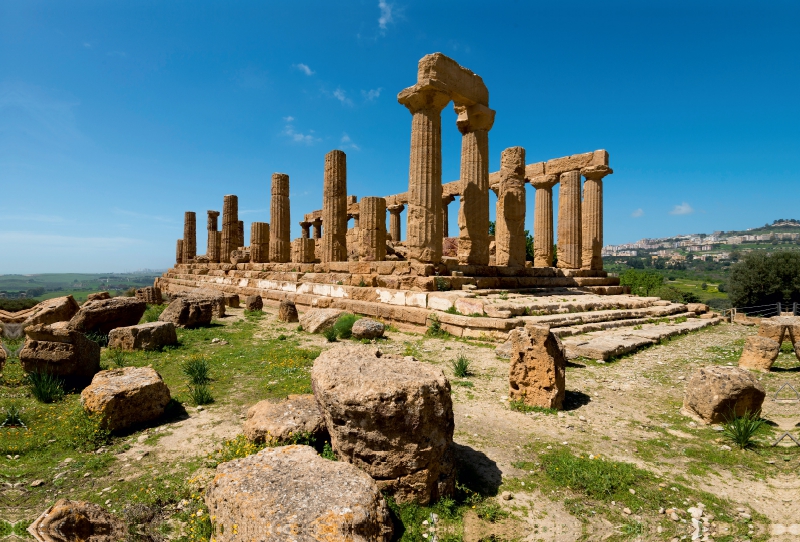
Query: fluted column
[303, 250]
[592, 234]
[230, 227]
[305, 230]
[259, 242]
[372, 229]
[394, 221]
[280, 222]
[543, 220]
[510, 225]
[569, 220]
[214, 243]
[474, 123]
[334, 208]
[239, 234]
[212, 248]
[317, 225]
[189, 236]
[424, 222]
[446, 201]
[179, 251]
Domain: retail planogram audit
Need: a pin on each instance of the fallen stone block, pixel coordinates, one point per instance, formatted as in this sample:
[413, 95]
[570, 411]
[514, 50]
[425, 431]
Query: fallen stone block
[188, 312]
[298, 416]
[103, 315]
[73, 521]
[715, 393]
[149, 336]
[126, 397]
[60, 351]
[759, 353]
[287, 312]
[318, 320]
[58, 309]
[367, 328]
[254, 303]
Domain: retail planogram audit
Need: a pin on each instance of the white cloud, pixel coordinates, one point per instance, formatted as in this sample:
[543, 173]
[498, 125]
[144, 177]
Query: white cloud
[371, 95]
[303, 68]
[288, 119]
[637, 213]
[340, 95]
[386, 14]
[299, 137]
[347, 143]
[682, 209]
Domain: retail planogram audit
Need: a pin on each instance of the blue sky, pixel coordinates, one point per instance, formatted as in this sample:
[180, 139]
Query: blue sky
[116, 117]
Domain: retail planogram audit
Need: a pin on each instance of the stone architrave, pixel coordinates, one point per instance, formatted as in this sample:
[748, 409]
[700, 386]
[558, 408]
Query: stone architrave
[372, 230]
[280, 245]
[394, 221]
[569, 220]
[189, 236]
[317, 228]
[592, 235]
[259, 242]
[305, 229]
[474, 123]
[230, 227]
[179, 251]
[510, 226]
[303, 250]
[212, 248]
[334, 208]
[543, 220]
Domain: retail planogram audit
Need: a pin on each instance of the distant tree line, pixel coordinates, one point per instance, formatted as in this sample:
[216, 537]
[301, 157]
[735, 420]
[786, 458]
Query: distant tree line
[763, 278]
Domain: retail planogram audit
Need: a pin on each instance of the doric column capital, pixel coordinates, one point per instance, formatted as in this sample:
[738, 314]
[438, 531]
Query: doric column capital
[317, 222]
[472, 118]
[396, 208]
[305, 224]
[596, 172]
[544, 181]
[424, 97]
[213, 213]
[447, 200]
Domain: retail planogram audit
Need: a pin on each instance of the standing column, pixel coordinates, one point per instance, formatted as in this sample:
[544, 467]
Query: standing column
[317, 225]
[543, 220]
[334, 208]
[569, 220]
[372, 229]
[447, 200]
[179, 252]
[259, 242]
[394, 221]
[239, 234]
[592, 234]
[212, 248]
[474, 123]
[424, 227]
[189, 236]
[280, 246]
[510, 228]
[305, 228]
[230, 227]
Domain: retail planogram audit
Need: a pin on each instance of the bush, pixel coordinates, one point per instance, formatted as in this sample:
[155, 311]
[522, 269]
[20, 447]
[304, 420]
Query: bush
[152, 313]
[741, 429]
[461, 366]
[14, 305]
[330, 334]
[344, 325]
[761, 278]
[200, 394]
[196, 370]
[46, 387]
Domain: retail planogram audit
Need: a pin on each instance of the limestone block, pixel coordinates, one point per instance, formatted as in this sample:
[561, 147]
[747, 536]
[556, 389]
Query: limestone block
[469, 306]
[60, 351]
[149, 336]
[68, 521]
[106, 314]
[367, 328]
[274, 422]
[58, 309]
[510, 226]
[254, 303]
[127, 396]
[303, 250]
[188, 312]
[780, 328]
[232, 300]
[287, 312]
[280, 225]
[463, 85]
[318, 320]
[537, 370]
[697, 308]
[240, 256]
[714, 393]
[150, 295]
[558, 166]
[759, 353]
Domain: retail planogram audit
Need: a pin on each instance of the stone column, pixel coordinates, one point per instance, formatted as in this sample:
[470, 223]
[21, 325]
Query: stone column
[189, 236]
[230, 227]
[424, 222]
[317, 225]
[305, 228]
[279, 242]
[303, 250]
[543, 220]
[334, 208]
[447, 200]
[179, 252]
[569, 220]
[510, 225]
[592, 234]
[394, 221]
[474, 123]
[372, 230]
[259, 242]
[212, 248]
[240, 234]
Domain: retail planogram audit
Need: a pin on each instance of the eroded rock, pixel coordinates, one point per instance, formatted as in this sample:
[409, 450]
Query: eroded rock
[536, 375]
[58, 309]
[77, 521]
[287, 312]
[149, 336]
[318, 320]
[367, 328]
[60, 351]
[126, 396]
[254, 303]
[189, 312]
[759, 353]
[269, 421]
[715, 393]
[103, 315]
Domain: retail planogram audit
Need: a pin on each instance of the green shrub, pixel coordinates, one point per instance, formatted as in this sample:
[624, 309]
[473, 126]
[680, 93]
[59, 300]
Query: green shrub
[520, 406]
[344, 325]
[741, 429]
[330, 334]
[196, 370]
[200, 394]
[442, 284]
[490, 511]
[761, 278]
[641, 282]
[152, 313]
[461, 366]
[327, 452]
[46, 387]
[435, 327]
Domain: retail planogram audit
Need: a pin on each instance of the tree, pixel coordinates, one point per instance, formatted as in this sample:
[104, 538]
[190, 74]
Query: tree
[491, 227]
[761, 278]
[642, 282]
[528, 246]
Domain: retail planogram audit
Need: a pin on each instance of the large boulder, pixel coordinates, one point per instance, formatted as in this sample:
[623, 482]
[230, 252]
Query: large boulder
[536, 375]
[254, 303]
[291, 493]
[60, 351]
[759, 353]
[367, 328]
[103, 315]
[268, 421]
[714, 393]
[287, 312]
[126, 397]
[318, 320]
[58, 309]
[390, 416]
[149, 336]
[188, 312]
[77, 521]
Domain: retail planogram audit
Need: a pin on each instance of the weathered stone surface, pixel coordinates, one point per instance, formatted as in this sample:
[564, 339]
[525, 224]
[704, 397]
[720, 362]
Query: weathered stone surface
[98, 296]
[569, 221]
[240, 256]
[291, 493]
[259, 242]
[543, 220]
[189, 236]
[390, 416]
[714, 393]
[510, 228]
[505, 349]
[77, 521]
[58, 309]
[469, 306]
[232, 300]
[372, 229]
[759, 353]
[149, 336]
[60, 351]
[150, 295]
[318, 320]
[303, 250]
[697, 308]
[230, 225]
[126, 396]
[334, 208]
[106, 314]
[217, 299]
[212, 244]
[367, 328]
[287, 312]
[254, 303]
[269, 421]
[188, 312]
[179, 251]
[280, 220]
[536, 375]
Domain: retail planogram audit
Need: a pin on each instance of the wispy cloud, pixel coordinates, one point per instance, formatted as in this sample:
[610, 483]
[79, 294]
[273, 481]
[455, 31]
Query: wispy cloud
[303, 68]
[340, 95]
[371, 95]
[28, 111]
[299, 137]
[288, 119]
[347, 143]
[682, 209]
[123, 212]
[386, 15]
[637, 213]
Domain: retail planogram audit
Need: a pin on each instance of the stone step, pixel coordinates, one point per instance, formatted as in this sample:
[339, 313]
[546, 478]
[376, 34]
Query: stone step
[575, 319]
[614, 324]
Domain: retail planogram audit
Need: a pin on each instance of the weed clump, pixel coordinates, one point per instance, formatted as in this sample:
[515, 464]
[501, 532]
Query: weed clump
[100, 338]
[117, 357]
[435, 328]
[201, 394]
[461, 366]
[87, 432]
[741, 429]
[197, 371]
[46, 387]
[344, 325]
[330, 334]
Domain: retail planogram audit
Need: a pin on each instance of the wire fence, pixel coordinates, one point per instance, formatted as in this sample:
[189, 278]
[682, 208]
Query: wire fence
[765, 311]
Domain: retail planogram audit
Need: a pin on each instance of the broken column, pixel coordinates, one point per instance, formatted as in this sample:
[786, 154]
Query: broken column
[510, 225]
[212, 248]
[259, 242]
[569, 220]
[189, 236]
[179, 251]
[303, 250]
[279, 242]
[334, 208]
[372, 229]
[474, 123]
[305, 228]
[543, 220]
[592, 234]
[394, 221]
[230, 227]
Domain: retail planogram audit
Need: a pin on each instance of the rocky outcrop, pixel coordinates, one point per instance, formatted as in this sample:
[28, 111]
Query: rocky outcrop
[104, 315]
[390, 416]
[58, 309]
[254, 303]
[287, 312]
[536, 375]
[149, 336]
[318, 320]
[188, 312]
[367, 328]
[298, 416]
[715, 393]
[60, 351]
[73, 521]
[759, 353]
[126, 397]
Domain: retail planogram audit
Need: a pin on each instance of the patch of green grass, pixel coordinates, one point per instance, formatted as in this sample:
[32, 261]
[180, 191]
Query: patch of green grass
[460, 366]
[463, 383]
[200, 394]
[520, 406]
[412, 349]
[253, 315]
[197, 370]
[46, 387]
[344, 325]
[741, 429]
[100, 338]
[452, 310]
[435, 328]
[491, 511]
[116, 356]
[86, 432]
[152, 312]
